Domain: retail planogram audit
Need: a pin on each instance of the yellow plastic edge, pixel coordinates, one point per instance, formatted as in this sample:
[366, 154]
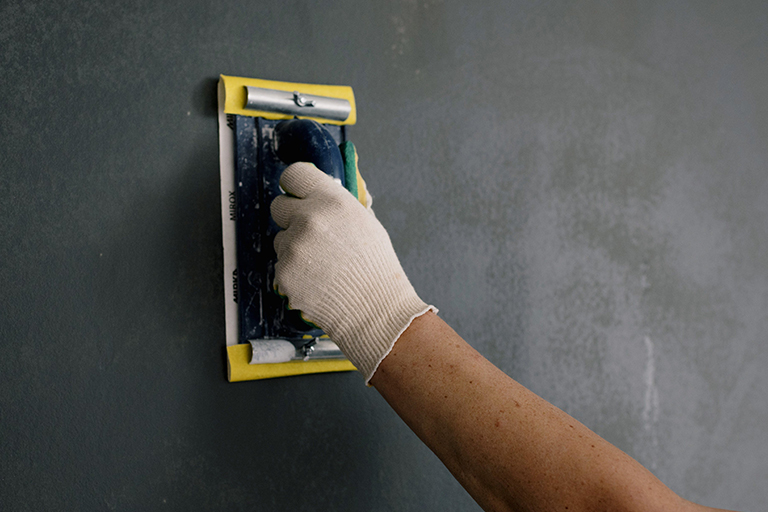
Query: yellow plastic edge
[234, 97]
[238, 368]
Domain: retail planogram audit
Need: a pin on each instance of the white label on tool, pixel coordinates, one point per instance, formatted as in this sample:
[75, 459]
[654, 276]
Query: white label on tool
[228, 218]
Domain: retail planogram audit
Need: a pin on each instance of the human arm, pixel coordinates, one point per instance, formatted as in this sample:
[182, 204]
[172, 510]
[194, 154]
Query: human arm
[509, 448]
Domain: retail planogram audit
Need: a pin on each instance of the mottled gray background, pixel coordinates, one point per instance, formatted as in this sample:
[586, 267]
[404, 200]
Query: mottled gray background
[581, 187]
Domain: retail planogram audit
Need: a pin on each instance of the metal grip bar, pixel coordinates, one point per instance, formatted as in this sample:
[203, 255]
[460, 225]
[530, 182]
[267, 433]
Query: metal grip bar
[282, 351]
[296, 104]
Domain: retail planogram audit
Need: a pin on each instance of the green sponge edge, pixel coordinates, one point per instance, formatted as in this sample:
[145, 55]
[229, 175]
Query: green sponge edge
[349, 155]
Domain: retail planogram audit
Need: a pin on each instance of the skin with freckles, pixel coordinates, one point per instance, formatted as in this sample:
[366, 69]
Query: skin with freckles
[509, 448]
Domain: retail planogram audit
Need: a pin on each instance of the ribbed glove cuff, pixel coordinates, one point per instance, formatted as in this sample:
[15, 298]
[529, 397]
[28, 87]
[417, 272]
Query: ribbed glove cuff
[367, 308]
[367, 346]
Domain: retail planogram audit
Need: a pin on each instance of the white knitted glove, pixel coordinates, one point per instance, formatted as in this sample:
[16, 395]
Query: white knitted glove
[335, 262]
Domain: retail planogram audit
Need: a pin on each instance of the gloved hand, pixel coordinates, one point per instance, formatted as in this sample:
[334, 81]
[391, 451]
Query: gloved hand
[335, 263]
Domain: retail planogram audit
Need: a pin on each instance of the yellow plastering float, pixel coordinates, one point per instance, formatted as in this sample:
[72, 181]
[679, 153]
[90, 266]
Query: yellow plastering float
[264, 338]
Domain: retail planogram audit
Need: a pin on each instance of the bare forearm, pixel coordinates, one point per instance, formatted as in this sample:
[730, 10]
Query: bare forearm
[509, 448]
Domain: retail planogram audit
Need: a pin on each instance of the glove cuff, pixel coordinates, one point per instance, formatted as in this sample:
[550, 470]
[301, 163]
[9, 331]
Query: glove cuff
[370, 361]
[376, 320]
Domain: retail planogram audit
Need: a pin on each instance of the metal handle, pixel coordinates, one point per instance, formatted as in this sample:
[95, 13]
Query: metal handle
[296, 103]
[282, 351]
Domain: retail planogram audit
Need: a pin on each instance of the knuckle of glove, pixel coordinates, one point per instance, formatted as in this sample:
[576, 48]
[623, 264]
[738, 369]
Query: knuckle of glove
[301, 178]
[309, 225]
[285, 282]
[320, 216]
[279, 211]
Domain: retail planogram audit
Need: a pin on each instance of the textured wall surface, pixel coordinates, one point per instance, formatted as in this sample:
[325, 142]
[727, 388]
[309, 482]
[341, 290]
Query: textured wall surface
[581, 187]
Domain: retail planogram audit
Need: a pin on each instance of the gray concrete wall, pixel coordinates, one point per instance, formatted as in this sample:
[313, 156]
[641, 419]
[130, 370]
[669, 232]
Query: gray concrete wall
[581, 187]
